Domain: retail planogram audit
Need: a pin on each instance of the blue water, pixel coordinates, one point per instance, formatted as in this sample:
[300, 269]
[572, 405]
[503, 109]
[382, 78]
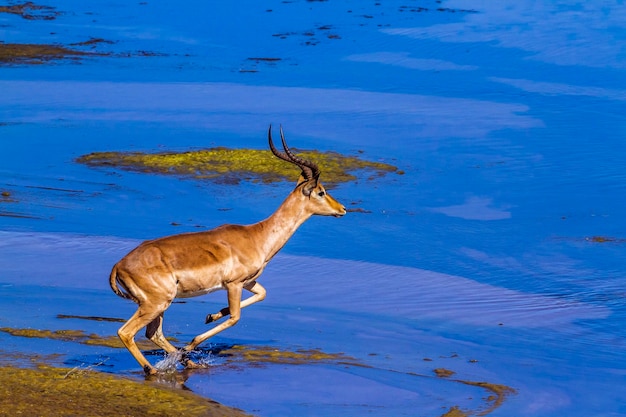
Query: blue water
[507, 118]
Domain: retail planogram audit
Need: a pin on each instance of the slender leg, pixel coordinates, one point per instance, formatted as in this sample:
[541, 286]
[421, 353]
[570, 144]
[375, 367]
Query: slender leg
[141, 318]
[258, 295]
[154, 332]
[234, 307]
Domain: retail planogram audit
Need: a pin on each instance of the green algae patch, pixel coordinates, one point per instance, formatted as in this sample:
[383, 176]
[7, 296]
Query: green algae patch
[30, 11]
[48, 391]
[32, 54]
[266, 354]
[78, 336]
[134, 396]
[605, 239]
[455, 412]
[226, 165]
[443, 372]
[499, 393]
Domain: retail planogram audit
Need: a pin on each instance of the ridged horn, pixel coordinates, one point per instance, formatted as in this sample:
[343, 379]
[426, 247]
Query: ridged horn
[309, 169]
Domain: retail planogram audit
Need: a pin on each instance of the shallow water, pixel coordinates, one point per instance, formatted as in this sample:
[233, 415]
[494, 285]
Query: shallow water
[502, 243]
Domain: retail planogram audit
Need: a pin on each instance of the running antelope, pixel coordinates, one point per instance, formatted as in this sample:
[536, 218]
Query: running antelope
[229, 257]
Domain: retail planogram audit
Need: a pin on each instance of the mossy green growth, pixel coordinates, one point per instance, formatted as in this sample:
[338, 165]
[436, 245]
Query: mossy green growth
[30, 11]
[267, 354]
[227, 165]
[50, 391]
[77, 336]
[27, 53]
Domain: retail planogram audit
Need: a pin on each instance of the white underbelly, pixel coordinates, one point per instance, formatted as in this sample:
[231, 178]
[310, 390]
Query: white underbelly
[195, 293]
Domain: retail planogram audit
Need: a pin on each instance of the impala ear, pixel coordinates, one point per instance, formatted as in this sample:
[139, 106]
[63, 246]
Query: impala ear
[309, 185]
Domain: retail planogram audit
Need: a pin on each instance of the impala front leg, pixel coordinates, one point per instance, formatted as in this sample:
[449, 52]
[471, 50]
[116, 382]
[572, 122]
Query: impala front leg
[259, 295]
[234, 306]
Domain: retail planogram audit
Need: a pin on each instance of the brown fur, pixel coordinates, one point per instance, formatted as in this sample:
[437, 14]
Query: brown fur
[229, 257]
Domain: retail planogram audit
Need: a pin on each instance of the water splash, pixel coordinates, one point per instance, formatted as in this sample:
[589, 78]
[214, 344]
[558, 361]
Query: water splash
[170, 363]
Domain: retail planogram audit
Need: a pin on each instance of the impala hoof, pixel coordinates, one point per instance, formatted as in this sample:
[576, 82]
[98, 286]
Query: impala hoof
[189, 364]
[149, 370]
[210, 318]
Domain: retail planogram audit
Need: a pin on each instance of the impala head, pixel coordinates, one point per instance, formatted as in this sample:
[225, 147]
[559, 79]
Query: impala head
[308, 184]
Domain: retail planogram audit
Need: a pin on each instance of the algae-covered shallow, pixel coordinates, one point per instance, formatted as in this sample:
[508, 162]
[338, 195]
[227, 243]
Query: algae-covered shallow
[226, 165]
[147, 398]
[78, 336]
[34, 53]
[30, 11]
[20, 53]
[51, 391]
[50, 48]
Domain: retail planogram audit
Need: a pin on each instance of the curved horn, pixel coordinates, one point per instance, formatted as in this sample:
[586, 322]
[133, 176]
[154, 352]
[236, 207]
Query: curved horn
[309, 169]
[275, 151]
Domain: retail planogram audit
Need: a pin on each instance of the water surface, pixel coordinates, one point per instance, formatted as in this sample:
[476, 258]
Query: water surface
[498, 254]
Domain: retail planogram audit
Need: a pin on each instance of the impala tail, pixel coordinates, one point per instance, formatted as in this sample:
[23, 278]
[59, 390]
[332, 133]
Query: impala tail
[230, 258]
[118, 286]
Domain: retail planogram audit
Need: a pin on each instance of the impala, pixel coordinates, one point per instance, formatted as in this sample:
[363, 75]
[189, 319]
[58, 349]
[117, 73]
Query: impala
[229, 257]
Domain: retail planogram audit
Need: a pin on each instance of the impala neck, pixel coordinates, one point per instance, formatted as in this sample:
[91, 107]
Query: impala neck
[280, 226]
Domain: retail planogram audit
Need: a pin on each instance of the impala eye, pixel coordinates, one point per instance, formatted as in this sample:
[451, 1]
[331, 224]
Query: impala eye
[321, 193]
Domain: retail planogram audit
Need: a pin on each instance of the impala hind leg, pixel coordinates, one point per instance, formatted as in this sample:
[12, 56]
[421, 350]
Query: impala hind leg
[258, 295]
[154, 332]
[142, 317]
[234, 307]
